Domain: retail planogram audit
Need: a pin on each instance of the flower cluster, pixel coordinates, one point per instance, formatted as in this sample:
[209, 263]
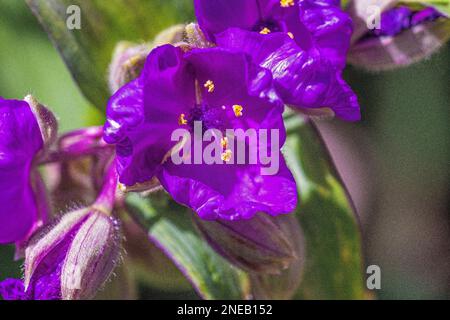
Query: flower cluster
[225, 80]
[303, 43]
[247, 61]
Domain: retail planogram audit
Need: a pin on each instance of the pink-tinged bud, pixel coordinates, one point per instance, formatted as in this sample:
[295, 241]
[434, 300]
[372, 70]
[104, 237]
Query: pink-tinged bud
[389, 34]
[127, 63]
[91, 258]
[258, 245]
[75, 256]
[286, 284]
[46, 120]
[43, 244]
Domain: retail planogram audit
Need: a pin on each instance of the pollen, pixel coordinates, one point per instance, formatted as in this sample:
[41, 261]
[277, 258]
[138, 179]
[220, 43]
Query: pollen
[291, 35]
[224, 142]
[182, 120]
[226, 156]
[237, 109]
[287, 3]
[210, 86]
[265, 31]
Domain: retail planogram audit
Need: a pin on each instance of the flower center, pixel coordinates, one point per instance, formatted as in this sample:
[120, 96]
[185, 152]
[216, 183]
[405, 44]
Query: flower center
[267, 26]
[287, 3]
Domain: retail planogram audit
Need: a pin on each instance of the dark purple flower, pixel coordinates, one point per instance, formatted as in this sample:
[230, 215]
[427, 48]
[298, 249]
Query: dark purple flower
[221, 90]
[21, 140]
[401, 18]
[303, 43]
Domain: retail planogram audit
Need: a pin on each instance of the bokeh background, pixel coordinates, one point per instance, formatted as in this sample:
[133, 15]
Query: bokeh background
[395, 162]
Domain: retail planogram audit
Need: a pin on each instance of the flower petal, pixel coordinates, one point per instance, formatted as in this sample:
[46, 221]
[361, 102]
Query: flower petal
[330, 27]
[230, 192]
[303, 79]
[142, 115]
[219, 15]
[21, 141]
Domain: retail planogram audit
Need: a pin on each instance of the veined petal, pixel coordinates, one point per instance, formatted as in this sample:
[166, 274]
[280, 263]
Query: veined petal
[330, 27]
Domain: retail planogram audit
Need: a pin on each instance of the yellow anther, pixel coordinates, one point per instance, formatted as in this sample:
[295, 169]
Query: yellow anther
[237, 109]
[224, 143]
[291, 35]
[210, 86]
[226, 156]
[287, 3]
[265, 31]
[182, 120]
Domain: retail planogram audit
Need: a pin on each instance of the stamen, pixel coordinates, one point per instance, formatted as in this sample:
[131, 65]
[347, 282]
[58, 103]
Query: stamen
[226, 156]
[291, 35]
[198, 93]
[182, 120]
[237, 109]
[210, 86]
[287, 3]
[224, 143]
[265, 31]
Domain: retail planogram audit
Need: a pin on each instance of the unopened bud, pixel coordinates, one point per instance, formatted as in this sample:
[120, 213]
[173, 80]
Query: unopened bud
[75, 256]
[257, 245]
[127, 63]
[46, 120]
[196, 38]
[286, 284]
[172, 35]
[91, 258]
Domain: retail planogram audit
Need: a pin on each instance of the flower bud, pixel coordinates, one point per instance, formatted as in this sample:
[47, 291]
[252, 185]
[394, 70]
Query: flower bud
[74, 257]
[127, 63]
[404, 35]
[284, 285]
[257, 245]
[46, 120]
[91, 258]
[196, 38]
[172, 35]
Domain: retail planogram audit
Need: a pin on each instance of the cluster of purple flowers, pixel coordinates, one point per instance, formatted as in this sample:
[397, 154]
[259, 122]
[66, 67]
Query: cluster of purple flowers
[257, 56]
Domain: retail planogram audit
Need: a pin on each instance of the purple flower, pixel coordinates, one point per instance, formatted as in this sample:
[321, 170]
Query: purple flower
[221, 90]
[21, 140]
[303, 43]
[402, 18]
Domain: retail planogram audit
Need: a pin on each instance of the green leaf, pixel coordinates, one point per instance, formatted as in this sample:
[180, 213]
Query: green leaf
[333, 268]
[170, 226]
[88, 51]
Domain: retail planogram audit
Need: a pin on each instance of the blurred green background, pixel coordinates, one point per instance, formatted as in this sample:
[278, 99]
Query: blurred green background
[395, 162]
